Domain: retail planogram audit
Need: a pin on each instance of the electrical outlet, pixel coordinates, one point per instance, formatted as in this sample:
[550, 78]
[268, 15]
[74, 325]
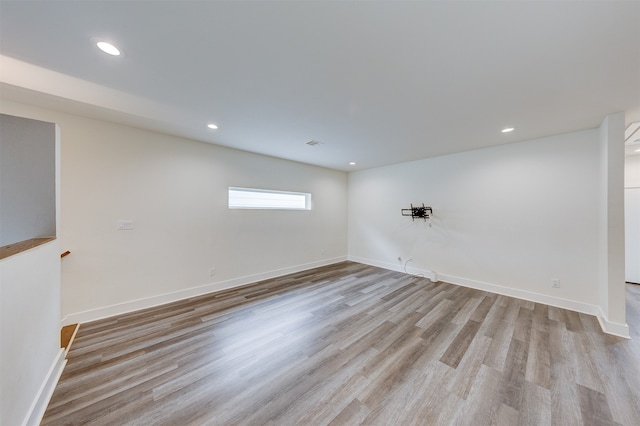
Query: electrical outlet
[323, 252]
[555, 282]
[212, 271]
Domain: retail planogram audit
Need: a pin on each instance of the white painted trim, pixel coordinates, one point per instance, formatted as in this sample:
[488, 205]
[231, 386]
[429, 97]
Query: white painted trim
[615, 328]
[621, 330]
[41, 401]
[149, 302]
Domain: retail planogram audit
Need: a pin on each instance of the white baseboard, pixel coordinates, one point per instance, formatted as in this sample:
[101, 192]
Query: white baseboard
[41, 401]
[615, 328]
[149, 302]
[398, 267]
[621, 330]
[609, 327]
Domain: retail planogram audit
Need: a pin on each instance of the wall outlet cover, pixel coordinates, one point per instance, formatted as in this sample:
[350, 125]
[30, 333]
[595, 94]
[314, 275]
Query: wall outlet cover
[125, 225]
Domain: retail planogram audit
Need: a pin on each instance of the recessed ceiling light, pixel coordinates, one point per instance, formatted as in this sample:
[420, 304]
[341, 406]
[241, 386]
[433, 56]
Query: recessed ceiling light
[108, 48]
[353, 163]
[508, 129]
[212, 126]
[638, 150]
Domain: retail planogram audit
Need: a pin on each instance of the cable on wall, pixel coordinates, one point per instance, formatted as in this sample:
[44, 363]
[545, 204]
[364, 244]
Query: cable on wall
[413, 275]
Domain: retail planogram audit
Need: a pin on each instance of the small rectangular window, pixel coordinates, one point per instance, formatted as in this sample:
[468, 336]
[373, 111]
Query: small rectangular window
[249, 198]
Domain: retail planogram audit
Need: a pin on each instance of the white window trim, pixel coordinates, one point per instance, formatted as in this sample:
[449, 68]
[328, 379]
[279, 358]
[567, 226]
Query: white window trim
[263, 206]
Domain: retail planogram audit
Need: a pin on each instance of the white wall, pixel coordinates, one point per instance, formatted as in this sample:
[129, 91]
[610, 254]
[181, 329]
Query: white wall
[27, 179]
[507, 219]
[176, 192]
[611, 223]
[30, 356]
[632, 171]
[632, 234]
[632, 218]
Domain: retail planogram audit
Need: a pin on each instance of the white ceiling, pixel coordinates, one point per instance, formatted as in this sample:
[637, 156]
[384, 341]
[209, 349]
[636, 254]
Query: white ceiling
[376, 82]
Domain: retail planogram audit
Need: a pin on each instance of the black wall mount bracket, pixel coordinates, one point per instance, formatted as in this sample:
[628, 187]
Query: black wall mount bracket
[419, 212]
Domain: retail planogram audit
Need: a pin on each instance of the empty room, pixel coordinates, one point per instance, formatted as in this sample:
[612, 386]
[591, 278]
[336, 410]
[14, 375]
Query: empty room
[319, 212]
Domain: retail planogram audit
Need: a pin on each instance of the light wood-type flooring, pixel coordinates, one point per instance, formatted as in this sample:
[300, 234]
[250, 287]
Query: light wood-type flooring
[351, 344]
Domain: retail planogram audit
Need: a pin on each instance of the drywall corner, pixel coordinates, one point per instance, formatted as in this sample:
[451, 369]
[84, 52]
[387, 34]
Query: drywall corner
[611, 283]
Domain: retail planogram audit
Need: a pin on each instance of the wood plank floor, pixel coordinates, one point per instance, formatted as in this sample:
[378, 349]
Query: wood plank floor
[351, 344]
